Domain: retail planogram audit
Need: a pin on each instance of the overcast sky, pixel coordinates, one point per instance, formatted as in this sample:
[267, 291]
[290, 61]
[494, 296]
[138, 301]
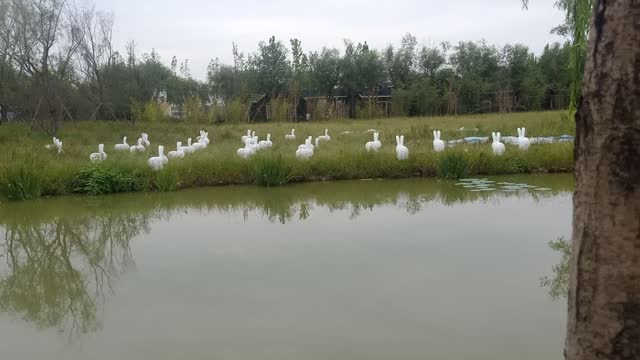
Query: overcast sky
[204, 29]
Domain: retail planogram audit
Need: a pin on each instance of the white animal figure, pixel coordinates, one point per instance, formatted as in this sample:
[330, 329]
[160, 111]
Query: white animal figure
[523, 142]
[197, 146]
[374, 145]
[246, 136]
[317, 142]
[189, 148]
[402, 152]
[204, 138]
[122, 147]
[59, 147]
[308, 116]
[497, 146]
[139, 147]
[291, 136]
[178, 154]
[246, 151]
[326, 136]
[438, 144]
[305, 151]
[145, 140]
[309, 143]
[251, 139]
[100, 155]
[56, 145]
[157, 162]
[265, 144]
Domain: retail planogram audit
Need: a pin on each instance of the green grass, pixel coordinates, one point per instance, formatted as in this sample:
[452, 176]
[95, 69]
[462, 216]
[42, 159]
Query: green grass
[342, 158]
[21, 180]
[453, 166]
[270, 170]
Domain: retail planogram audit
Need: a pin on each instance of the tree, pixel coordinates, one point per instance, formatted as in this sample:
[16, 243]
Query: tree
[325, 70]
[273, 70]
[400, 64]
[47, 39]
[96, 53]
[361, 69]
[604, 292]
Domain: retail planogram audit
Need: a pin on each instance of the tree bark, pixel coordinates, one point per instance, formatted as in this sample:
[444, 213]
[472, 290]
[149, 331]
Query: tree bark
[604, 293]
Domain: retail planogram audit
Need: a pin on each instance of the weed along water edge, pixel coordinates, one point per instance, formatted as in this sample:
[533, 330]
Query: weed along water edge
[340, 153]
[388, 269]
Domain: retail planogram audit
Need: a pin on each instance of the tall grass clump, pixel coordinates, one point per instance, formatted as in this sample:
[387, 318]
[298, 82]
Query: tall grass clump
[21, 181]
[452, 166]
[165, 181]
[97, 180]
[270, 171]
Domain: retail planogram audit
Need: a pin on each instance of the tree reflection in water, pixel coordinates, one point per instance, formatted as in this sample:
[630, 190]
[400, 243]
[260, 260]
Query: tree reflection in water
[558, 282]
[58, 270]
[62, 255]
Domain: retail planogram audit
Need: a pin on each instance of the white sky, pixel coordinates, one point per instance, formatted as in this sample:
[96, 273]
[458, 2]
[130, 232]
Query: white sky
[204, 29]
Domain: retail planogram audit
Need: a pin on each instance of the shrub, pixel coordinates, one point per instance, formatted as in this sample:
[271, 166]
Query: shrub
[453, 166]
[96, 180]
[270, 171]
[153, 112]
[194, 111]
[236, 112]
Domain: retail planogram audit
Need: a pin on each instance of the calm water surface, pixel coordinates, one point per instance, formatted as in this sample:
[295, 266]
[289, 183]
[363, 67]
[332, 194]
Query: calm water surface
[410, 269]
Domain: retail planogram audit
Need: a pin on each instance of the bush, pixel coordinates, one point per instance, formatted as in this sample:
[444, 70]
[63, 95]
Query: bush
[453, 166]
[270, 171]
[194, 111]
[21, 181]
[96, 180]
[236, 112]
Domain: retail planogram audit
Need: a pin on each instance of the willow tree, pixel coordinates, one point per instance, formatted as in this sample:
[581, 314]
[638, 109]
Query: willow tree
[576, 25]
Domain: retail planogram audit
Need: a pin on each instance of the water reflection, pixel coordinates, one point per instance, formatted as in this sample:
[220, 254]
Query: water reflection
[558, 282]
[59, 268]
[63, 255]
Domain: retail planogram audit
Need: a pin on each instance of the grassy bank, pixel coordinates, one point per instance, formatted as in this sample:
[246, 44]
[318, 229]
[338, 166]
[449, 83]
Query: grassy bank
[29, 171]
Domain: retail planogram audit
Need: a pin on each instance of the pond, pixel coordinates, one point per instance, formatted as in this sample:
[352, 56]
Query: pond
[393, 269]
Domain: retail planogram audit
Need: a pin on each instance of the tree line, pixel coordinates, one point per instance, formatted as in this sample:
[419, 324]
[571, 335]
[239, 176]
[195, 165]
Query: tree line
[58, 62]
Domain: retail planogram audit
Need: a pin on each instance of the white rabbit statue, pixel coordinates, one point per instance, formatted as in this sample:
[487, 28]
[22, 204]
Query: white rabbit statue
[402, 152]
[497, 146]
[438, 145]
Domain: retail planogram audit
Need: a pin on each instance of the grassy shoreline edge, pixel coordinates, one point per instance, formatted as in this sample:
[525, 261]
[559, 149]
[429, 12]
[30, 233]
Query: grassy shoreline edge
[28, 171]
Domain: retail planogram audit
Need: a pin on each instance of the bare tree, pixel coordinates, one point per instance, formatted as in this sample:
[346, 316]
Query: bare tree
[46, 40]
[95, 51]
[604, 291]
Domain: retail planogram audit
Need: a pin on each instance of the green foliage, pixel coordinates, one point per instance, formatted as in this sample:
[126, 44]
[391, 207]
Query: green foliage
[194, 111]
[453, 166]
[153, 112]
[270, 171]
[22, 181]
[99, 180]
[236, 112]
[165, 181]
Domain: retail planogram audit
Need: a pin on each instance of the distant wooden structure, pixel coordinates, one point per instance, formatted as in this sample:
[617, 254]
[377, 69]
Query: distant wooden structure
[308, 106]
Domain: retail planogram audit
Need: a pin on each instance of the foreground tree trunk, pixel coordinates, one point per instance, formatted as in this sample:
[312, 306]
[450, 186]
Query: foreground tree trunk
[604, 294]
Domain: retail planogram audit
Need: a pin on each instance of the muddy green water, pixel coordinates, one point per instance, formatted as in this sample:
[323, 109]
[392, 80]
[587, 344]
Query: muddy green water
[408, 269]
